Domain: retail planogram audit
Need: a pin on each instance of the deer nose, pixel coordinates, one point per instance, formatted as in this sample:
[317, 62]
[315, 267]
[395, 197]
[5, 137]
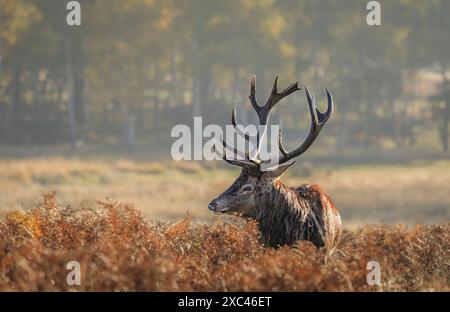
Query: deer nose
[212, 206]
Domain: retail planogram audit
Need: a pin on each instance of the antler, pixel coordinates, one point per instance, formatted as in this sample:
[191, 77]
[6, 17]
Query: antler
[274, 98]
[263, 112]
[318, 120]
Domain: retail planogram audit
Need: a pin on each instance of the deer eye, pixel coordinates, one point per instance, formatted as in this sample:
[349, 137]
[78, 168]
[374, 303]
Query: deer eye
[247, 188]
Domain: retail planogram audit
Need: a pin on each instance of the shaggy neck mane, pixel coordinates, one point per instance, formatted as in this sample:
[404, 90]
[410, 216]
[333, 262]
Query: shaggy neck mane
[282, 216]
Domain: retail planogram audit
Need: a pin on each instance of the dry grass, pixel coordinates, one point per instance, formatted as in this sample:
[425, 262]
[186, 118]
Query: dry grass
[119, 250]
[374, 194]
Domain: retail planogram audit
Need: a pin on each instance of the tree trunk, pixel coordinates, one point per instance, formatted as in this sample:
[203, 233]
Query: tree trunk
[78, 83]
[130, 131]
[369, 122]
[12, 131]
[174, 93]
[196, 103]
[446, 121]
[446, 111]
[72, 124]
[3, 109]
[205, 79]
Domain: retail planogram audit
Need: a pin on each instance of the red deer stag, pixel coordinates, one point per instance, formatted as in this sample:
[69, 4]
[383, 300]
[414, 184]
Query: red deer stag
[284, 214]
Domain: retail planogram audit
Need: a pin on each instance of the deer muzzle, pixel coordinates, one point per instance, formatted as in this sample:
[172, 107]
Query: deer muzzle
[216, 206]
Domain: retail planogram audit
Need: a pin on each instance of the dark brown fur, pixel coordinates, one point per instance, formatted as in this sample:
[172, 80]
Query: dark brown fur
[284, 214]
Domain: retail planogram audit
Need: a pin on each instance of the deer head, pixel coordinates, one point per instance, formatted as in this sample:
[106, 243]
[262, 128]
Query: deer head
[254, 186]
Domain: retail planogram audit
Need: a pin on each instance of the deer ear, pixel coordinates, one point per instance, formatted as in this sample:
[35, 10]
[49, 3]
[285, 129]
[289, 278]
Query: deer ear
[276, 173]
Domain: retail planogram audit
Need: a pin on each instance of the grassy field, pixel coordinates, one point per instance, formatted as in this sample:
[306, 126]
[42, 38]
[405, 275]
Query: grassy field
[410, 194]
[162, 236]
[118, 250]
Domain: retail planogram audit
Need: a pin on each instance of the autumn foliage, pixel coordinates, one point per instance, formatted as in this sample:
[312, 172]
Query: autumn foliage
[119, 250]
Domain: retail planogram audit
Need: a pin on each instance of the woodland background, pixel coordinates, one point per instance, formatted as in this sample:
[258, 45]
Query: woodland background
[134, 69]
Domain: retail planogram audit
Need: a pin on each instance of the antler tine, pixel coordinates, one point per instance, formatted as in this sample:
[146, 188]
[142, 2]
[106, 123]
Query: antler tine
[318, 120]
[236, 127]
[227, 147]
[252, 95]
[323, 118]
[246, 136]
[245, 156]
[276, 97]
[240, 163]
[280, 143]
